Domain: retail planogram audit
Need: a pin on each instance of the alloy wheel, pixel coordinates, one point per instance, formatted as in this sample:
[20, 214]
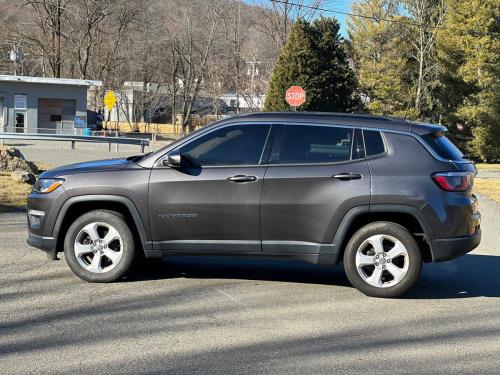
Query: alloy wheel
[382, 261]
[98, 247]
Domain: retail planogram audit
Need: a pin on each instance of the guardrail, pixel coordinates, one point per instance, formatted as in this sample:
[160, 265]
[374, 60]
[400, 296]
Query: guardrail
[77, 138]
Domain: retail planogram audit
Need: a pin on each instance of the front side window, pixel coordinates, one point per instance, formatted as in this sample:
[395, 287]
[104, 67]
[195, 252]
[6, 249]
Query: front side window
[232, 145]
[312, 144]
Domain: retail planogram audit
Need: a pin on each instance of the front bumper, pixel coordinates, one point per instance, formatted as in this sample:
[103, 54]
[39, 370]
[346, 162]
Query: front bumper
[449, 248]
[47, 244]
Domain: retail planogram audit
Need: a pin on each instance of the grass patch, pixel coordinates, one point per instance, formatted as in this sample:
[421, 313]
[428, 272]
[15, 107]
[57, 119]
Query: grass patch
[489, 187]
[12, 193]
[488, 167]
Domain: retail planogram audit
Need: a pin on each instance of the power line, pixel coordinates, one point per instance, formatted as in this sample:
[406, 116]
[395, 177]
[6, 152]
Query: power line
[409, 23]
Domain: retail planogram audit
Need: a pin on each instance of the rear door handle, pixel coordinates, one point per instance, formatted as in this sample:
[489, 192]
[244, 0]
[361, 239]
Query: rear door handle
[242, 178]
[347, 176]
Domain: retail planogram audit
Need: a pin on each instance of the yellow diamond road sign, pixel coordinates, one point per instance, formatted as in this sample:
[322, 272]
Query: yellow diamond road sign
[110, 100]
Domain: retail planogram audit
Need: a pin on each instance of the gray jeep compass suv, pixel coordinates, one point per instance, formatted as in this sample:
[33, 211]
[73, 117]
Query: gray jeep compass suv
[381, 195]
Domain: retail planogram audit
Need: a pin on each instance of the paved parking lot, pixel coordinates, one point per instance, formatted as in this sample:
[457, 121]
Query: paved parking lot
[212, 316]
[57, 154]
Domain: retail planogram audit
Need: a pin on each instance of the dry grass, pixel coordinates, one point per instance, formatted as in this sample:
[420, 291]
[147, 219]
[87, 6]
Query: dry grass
[488, 167]
[489, 187]
[44, 166]
[12, 194]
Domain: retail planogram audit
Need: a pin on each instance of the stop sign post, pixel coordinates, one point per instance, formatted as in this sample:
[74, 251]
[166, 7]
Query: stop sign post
[295, 96]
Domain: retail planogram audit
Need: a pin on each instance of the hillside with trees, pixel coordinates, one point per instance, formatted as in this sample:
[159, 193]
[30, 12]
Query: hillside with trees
[426, 60]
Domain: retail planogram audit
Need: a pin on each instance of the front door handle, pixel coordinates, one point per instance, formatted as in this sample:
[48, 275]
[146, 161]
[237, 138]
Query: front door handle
[347, 176]
[242, 178]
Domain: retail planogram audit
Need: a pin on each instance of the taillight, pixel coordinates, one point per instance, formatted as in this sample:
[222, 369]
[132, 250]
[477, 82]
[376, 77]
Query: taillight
[454, 181]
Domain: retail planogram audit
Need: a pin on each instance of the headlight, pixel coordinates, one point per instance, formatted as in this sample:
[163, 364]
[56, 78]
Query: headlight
[46, 185]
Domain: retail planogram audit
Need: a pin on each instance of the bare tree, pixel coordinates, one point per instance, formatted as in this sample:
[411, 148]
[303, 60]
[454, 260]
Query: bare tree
[49, 19]
[86, 24]
[116, 47]
[234, 40]
[194, 43]
[217, 80]
[278, 16]
[427, 15]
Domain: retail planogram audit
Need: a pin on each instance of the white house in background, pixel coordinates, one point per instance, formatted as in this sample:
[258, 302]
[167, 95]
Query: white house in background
[158, 108]
[247, 103]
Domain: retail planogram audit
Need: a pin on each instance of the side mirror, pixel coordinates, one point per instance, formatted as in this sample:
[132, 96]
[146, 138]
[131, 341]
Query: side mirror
[173, 160]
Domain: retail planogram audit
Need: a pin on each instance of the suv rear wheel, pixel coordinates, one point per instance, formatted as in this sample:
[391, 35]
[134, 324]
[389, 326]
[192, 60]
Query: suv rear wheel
[382, 259]
[99, 246]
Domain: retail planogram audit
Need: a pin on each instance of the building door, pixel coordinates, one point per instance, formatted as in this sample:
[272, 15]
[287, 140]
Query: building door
[20, 122]
[2, 121]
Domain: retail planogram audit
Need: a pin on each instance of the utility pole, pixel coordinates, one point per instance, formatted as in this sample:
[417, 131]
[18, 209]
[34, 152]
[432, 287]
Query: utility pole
[14, 57]
[253, 71]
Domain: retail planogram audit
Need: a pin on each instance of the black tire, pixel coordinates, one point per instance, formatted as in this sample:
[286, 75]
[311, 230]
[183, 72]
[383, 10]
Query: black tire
[389, 229]
[118, 222]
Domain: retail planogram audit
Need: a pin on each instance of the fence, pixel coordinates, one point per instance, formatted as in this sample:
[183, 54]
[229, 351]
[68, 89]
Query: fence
[73, 138]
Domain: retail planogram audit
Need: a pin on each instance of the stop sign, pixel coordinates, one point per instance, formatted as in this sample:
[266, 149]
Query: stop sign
[295, 96]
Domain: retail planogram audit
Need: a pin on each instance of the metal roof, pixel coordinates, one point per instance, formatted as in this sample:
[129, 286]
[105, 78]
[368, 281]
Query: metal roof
[55, 81]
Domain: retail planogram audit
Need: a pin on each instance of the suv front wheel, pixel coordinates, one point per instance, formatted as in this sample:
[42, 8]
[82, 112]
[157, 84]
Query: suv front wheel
[99, 246]
[382, 259]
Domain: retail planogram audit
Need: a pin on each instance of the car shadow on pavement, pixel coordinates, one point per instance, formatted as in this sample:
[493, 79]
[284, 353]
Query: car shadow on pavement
[206, 267]
[471, 275]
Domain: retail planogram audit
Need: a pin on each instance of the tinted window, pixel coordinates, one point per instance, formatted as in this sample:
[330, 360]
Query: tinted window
[443, 146]
[233, 145]
[312, 144]
[373, 142]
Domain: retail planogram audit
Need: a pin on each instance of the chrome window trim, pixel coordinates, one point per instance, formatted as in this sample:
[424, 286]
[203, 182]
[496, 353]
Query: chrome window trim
[283, 122]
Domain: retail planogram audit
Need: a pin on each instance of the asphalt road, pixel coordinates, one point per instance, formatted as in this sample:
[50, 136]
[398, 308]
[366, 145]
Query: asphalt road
[212, 316]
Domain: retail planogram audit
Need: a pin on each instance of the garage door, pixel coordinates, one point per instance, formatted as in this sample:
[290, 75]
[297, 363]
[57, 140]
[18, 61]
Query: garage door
[56, 114]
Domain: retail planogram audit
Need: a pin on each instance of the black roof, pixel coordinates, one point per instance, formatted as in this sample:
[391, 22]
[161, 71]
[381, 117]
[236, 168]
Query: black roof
[348, 119]
[344, 119]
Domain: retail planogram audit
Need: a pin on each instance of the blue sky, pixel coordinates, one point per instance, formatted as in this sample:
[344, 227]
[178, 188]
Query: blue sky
[343, 6]
[335, 5]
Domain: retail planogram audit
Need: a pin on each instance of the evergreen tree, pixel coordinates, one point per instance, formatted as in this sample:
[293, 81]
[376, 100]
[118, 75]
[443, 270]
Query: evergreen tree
[469, 52]
[315, 58]
[382, 58]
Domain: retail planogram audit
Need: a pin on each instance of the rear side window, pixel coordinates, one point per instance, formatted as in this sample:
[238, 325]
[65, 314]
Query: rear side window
[312, 144]
[374, 144]
[443, 146]
[232, 145]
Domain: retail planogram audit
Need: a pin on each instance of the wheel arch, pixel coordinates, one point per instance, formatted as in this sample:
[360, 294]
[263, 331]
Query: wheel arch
[409, 217]
[77, 206]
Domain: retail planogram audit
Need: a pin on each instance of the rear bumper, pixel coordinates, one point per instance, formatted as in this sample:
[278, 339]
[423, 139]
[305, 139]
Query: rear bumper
[46, 244]
[449, 248]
